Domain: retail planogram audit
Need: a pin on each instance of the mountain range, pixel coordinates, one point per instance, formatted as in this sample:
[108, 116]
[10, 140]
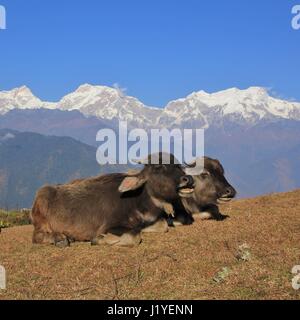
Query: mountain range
[246, 107]
[255, 135]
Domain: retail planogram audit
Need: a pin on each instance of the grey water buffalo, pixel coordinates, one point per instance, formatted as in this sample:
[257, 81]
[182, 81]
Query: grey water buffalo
[210, 189]
[111, 208]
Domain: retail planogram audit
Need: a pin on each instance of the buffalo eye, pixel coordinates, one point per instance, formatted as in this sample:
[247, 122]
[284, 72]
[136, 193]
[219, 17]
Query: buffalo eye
[157, 169]
[205, 175]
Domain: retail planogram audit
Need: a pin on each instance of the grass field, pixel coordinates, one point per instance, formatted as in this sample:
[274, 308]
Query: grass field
[250, 255]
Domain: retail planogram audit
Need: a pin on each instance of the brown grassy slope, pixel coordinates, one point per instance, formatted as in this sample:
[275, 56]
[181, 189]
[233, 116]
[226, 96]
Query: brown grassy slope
[179, 265]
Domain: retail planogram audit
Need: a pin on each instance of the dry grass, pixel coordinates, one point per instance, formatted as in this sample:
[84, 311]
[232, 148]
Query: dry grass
[202, 261]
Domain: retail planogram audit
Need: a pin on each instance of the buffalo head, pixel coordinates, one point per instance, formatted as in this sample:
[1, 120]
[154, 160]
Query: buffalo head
[162, 176]
[211, 186]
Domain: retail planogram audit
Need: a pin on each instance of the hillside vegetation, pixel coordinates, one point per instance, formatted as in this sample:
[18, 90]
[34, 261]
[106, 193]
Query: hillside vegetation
[250, 255]
[14, 218]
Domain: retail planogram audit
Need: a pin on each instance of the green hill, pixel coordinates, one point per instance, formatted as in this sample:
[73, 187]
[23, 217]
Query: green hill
[30, 160]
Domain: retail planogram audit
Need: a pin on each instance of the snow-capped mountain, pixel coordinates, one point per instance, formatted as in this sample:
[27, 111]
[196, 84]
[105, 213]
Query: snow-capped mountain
[242, 106]
[200, 108]
[21, 98]
[108, 103]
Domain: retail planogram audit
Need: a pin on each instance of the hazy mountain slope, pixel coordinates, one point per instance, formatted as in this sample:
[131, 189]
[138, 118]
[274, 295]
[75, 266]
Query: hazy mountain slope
[55, 122]
[277, 173]
[29, 160]
[253, 157]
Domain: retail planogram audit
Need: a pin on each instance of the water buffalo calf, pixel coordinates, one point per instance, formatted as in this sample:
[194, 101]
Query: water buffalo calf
[112, 208]
[210, 189]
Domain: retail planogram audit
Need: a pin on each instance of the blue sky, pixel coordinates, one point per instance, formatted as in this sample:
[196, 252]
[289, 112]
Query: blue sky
[158, 50]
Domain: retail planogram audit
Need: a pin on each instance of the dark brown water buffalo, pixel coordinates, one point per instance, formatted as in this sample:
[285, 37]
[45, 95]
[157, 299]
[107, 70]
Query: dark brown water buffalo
[110, 208]
[210, 189]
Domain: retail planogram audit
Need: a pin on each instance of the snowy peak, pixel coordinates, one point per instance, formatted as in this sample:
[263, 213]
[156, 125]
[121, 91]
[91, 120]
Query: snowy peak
[87, 95]
[20, 98]
[250, 105]
[232, 99]
[22, 91]
[200, 108]
[108, 103]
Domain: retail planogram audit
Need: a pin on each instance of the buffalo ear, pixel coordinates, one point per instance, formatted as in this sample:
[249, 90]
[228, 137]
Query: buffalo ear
[131, 184]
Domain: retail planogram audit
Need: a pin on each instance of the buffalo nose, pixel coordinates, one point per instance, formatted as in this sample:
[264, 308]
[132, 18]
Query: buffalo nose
[186, 181]
[230, 192]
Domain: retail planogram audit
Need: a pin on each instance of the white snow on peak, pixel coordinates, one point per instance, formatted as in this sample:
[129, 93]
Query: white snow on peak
[107, 103]
[87, 95]
[249, 105]
[20, 98]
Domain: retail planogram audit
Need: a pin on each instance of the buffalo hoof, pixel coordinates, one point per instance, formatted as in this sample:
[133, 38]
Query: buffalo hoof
[210, 216]
[182, 220]
[178, 224]
[221, 217]
[62, 244]
[203, 215]
[170, 222]
[206, 216]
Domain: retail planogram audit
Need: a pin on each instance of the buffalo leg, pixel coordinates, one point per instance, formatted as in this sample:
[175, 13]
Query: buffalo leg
[203, 215]
[114, 238]
[98, 240]
[210, 212]
[61, 241]
[42, 237]
[129, 240]
[183, 219]
[161, 226]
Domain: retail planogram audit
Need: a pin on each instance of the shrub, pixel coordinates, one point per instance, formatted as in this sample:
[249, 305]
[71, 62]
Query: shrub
[14, 218]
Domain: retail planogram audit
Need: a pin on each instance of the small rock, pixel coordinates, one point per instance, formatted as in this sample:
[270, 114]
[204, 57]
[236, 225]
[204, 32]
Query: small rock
[222, 275]
[243, 253]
